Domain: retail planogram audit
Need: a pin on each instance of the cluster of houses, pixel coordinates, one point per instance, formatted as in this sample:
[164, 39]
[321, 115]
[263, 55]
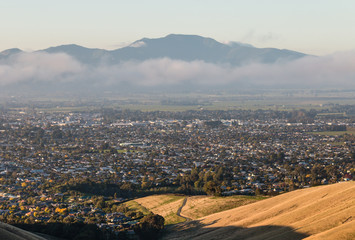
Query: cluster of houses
[50, 207]
[269, 154]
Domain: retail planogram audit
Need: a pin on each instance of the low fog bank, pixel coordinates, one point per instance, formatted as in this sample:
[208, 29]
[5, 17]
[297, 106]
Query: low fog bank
[60, 72]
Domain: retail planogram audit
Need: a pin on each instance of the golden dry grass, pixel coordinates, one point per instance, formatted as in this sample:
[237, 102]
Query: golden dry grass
[200, 206]
[165, 205]
[324, 212]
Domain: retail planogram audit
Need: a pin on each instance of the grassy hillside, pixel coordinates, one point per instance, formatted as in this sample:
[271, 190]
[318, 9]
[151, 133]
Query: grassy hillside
[200, 206]
[168, 205]
[324, 212]
[165, 205]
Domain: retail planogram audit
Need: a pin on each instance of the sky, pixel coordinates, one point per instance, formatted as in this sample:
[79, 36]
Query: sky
[318, 27]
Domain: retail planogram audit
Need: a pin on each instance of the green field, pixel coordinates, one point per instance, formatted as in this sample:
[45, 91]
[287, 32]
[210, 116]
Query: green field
[134, 206]
[273, 99]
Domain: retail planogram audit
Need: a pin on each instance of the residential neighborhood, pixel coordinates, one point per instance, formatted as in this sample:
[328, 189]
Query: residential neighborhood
[80, 167]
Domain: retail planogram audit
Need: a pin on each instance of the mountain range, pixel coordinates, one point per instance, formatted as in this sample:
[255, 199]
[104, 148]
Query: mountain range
[175, 62]
[173, 46]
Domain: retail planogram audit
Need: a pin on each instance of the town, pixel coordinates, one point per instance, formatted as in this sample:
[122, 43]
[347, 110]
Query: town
[81, 166]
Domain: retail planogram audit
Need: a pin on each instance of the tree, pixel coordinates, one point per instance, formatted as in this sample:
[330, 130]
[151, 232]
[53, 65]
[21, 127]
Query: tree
[219, 175]
[150, 226]
[257, 192]
[317, 173]
[194, 175]
[212, 188]
[332, 173]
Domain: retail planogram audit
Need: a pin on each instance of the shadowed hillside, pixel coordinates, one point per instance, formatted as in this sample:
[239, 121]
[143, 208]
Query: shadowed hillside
[324, 212]
[8, 232]
[203, 231]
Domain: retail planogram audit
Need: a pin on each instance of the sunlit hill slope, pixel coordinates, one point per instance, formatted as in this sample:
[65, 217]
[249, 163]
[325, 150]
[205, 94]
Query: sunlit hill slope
[324, 212]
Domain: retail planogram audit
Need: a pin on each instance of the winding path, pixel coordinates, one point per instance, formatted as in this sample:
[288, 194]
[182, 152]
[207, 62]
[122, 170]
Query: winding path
[180, 208]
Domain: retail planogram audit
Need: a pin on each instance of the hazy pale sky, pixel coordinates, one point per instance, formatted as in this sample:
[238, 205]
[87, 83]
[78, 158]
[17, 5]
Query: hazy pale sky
[317, 27]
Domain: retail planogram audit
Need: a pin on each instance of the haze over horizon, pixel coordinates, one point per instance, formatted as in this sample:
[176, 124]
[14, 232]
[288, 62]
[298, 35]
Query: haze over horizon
[319, 27]
[281, 40]
[175, 62]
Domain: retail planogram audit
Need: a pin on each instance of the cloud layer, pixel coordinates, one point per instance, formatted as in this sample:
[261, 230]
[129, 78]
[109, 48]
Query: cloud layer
[38, 67]
[336, 71]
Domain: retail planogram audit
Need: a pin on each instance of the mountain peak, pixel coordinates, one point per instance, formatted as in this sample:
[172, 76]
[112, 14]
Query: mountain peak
[239, 44]
[184, 36]
[10, 51]
[174, 46]
[195, 47]
[65, 47]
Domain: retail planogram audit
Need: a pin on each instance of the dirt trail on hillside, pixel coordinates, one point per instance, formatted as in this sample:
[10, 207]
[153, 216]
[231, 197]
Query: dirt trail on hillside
[180, 209]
